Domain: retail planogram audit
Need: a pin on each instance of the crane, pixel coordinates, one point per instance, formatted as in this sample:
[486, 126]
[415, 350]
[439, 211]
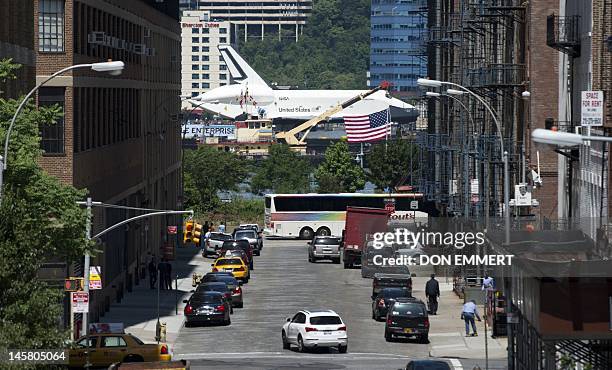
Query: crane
[290, 136]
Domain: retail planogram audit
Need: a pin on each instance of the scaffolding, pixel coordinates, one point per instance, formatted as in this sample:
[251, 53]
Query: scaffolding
[478, 44]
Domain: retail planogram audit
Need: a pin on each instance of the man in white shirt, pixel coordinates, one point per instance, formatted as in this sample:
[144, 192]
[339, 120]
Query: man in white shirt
[469, 312]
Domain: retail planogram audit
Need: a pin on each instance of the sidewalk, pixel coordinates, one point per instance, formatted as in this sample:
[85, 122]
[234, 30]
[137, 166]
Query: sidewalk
[138, 309]
[447, 330]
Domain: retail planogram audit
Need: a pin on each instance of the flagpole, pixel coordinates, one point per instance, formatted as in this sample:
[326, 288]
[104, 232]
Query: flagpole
[361, 155]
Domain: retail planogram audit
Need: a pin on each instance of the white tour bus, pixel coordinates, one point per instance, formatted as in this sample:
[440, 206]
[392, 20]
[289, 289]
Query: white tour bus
[303, 215]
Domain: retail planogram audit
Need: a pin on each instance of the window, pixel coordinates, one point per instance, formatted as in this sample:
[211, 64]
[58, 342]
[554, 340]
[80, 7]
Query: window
[205, 40]
[205, 85]
[195, 67]
[222, 84]
[51, 26]
[223, 30]
[205, 76]
[195, 30]
[195, 39]
[195, 58]
[223, 40]
[223, 76]
[205, 49]
[113, 342]
[194, 94]
[205, 30]
[93, 342]
[195, 49]
[195, 76]
[205, 58]
[52, 133]
[205, 67]
[223, 67]
[195, 85]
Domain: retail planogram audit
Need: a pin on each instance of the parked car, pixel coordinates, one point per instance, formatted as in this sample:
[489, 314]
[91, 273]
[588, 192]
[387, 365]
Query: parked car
[207, 307]
[313, 329]
[233, 286]
[384, 299]
[214, 243]
[236, 253]
[229, 245]
[407, 318]
[217, 286]
[252, 237]
[428, 365]
[324, 247]
[235, 265]
[249, 226]
[105, 349]
[391, 281]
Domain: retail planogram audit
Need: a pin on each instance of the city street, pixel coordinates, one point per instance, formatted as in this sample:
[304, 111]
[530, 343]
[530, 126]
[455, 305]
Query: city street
[282, 283]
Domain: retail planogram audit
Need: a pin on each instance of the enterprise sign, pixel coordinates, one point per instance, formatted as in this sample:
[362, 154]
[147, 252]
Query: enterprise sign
[198, 131]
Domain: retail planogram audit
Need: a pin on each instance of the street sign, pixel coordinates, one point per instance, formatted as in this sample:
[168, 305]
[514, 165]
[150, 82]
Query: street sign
[95, 278]
[80, 302]
[390, 205]
[172, 230]
[474, 186]
[592, 108]
[73, 284]
[414, 204]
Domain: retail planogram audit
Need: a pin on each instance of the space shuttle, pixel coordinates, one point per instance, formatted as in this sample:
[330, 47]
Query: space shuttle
[251, 95]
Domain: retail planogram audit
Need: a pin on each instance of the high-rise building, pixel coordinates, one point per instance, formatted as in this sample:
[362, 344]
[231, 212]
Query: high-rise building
[17, 43]
[397, 44]
[119, 137]
[202, 65]
[258, 19]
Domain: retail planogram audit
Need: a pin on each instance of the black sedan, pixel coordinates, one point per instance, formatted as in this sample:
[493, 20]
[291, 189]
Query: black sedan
[234, 287]
[207, 307]
[385, 298]
[217, 286]
[407, 318]
[230, 245]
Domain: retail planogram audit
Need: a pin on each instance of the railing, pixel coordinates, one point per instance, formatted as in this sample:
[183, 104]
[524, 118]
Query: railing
[496, 75]
[563, 34]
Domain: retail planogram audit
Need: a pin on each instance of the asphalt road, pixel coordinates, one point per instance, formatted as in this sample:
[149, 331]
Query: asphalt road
[282, 283]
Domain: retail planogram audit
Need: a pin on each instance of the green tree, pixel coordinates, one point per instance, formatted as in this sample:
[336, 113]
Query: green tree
[39, 222]
[339, 172]
[333, 52]
[207, 171]
[284, 171]
[391, 162]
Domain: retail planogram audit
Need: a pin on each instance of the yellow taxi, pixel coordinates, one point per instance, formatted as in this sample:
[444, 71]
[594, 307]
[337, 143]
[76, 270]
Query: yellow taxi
[235, 265]
[106, 349]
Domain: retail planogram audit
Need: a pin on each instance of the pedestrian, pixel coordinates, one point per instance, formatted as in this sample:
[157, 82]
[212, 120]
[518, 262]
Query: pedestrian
[162, 276]
[432, 292]
[206, 226]
[152, 272]
[168, 274]
[469, 312]
[488, 283]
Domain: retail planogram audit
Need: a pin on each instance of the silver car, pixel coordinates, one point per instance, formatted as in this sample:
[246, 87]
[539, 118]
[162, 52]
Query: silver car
[324, 247]
[214, 243]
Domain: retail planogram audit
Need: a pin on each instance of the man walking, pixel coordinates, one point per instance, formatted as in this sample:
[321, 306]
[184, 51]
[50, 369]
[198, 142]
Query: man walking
[432, 292]
[469, 312]
[162, 275]
[152, 272]
[168, 275]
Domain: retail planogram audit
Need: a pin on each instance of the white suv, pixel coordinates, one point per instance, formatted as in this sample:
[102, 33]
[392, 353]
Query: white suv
[313, 329]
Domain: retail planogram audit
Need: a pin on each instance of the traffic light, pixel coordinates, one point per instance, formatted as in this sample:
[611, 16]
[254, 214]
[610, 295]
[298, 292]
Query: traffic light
[197, 233]
[188, 232]
[73, 284]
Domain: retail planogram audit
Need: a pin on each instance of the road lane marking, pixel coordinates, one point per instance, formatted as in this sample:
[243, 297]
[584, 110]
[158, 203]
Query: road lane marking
[456, 364]
[363, 355]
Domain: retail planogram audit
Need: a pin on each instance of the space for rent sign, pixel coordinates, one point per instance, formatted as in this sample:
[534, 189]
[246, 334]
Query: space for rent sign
[592, 108]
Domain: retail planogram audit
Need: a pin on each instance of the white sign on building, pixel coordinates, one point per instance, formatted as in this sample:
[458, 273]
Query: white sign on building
[592, 108]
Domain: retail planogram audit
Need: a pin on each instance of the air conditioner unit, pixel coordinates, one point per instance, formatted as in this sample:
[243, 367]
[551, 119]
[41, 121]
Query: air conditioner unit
[122, 45]
[147, 32]
[95, 38]
[138, 48]
[115, 42]
[108, 41]
[150, 52]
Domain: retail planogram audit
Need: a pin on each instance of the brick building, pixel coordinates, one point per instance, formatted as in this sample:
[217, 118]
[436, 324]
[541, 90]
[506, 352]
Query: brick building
[120, 135]
[17, 43]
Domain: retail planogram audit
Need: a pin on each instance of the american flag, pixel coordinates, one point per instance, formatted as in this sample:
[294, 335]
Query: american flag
[369, 127]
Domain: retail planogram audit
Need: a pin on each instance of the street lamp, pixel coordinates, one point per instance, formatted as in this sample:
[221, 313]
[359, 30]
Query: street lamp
[113, 68]
[563, 139]
[435, 83]
[462, 90]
